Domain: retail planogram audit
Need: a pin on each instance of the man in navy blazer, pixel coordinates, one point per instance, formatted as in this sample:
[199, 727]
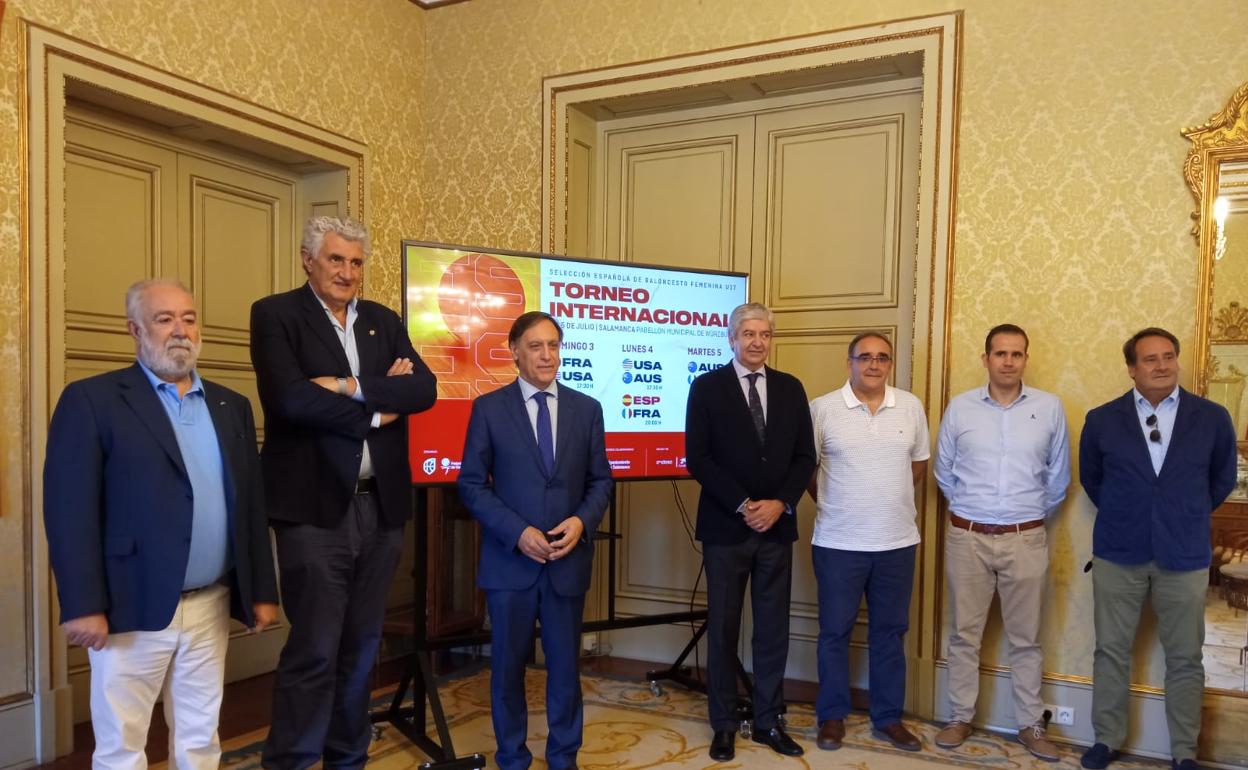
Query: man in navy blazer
[156, 532]
[535, 474]
[337, 377]
[750, 445]
[1155, 463]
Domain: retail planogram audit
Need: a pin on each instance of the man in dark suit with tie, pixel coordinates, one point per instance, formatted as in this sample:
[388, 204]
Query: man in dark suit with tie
[156, 532]
[535, 474]
[337, 376]
[1155, 463]
[749, 443]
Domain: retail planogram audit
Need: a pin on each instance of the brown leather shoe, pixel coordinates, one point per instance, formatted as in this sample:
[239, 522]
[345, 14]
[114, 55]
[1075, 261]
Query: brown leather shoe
[954, 735]
[831, 734]
[1039, 744]
[899, 736]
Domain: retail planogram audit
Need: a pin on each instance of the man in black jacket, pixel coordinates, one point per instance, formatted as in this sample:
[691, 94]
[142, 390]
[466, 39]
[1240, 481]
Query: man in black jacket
[337, 377]
[749, 443]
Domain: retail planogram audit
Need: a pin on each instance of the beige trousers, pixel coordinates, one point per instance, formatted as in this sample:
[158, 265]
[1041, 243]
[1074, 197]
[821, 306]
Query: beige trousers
[1014, 565]
[184, 663]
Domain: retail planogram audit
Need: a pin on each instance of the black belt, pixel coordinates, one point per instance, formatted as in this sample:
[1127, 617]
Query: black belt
[191, 591]
[366, 486]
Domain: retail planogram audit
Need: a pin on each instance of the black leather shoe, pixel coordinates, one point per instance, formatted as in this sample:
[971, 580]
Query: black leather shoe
[722, 745]
[1098, 757]
[779, 741]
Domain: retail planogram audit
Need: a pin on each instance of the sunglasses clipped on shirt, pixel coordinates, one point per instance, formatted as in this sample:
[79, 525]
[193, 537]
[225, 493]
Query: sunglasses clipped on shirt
[1154, 435]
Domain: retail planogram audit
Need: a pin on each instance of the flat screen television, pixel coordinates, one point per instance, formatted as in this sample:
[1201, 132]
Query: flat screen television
[634, 337]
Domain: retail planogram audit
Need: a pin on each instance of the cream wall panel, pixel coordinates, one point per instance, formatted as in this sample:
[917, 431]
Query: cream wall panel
[582, 185]
[108, 200]
[81, 368]
[670, 216]
[831, 199]
[236, 237]
[658, 558]
[123, 197]
[674, 194]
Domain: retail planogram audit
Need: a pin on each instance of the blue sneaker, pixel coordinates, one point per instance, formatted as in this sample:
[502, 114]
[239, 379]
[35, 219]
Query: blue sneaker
[1187, 764]
[1099, 756]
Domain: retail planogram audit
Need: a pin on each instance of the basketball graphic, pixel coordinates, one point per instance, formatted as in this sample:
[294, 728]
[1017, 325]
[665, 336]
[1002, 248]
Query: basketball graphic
[466, 318]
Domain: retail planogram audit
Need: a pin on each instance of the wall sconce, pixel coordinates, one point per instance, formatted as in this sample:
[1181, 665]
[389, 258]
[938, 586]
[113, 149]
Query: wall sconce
[1221, 207]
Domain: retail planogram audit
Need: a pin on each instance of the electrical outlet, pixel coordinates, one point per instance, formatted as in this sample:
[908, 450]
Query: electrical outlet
[1060, 715]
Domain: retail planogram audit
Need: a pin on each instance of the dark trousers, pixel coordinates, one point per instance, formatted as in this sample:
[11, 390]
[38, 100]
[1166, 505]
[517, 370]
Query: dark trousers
[512, 615]
[334, 585]
[843, 577]
[768, 568]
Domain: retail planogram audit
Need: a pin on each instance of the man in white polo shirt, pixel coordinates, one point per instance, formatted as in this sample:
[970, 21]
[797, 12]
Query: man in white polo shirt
[1003, 462]
[872, 443]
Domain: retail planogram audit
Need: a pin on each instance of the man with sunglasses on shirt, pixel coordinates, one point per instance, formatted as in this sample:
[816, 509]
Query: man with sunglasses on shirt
[872, 444]
[1155, 463]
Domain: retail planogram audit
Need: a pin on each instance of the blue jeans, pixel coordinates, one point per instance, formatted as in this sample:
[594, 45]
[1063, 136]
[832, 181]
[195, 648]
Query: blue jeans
[843, 577]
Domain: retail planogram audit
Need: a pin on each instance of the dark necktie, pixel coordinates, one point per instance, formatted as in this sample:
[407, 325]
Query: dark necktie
[545, 438]
[756, 407]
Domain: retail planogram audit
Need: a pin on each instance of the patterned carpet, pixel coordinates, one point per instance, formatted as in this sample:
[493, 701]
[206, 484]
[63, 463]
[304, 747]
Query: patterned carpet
[629, 728]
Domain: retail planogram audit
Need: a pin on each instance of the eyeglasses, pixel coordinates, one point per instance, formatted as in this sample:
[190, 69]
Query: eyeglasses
[1154, 434]
[867, 358]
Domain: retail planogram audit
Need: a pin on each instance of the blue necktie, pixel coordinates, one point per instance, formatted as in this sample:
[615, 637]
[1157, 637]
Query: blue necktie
[545, 438]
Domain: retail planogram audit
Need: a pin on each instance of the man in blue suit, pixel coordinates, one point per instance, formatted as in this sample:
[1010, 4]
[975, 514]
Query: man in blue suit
[157, 533]
[1155, 462]
[535, 474]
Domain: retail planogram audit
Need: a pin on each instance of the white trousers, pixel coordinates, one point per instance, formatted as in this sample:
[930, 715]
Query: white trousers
[184, 663]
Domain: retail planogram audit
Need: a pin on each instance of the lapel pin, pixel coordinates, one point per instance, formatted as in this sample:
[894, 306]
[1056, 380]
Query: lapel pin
[372, 332]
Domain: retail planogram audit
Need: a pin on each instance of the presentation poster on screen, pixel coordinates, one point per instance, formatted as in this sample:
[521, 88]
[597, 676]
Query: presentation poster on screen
[635, 338]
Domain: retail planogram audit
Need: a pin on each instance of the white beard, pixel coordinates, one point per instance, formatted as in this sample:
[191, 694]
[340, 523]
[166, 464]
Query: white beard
[173, 362]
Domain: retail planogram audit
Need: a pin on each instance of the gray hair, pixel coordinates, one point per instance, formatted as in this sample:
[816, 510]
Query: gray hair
[315, 228]
[750, 311]
[137, 291]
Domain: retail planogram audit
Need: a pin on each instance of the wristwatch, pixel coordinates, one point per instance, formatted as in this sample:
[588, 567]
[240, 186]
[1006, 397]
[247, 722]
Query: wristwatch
[342, 386]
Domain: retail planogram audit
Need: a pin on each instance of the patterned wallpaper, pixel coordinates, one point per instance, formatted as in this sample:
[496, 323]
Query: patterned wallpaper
[355, 67]
[1072, 211]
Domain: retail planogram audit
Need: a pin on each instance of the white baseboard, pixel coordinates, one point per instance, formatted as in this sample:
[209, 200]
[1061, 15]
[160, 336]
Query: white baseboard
[1146, 736]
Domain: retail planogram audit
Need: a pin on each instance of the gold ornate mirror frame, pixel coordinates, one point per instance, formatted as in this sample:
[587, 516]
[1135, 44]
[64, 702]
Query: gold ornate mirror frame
[1220, 143]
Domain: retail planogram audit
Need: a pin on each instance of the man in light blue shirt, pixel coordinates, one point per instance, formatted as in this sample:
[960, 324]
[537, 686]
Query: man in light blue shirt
[157, 533]
[1003, 463]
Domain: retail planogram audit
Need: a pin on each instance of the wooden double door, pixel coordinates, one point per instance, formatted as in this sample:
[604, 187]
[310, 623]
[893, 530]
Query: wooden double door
[816, 197]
